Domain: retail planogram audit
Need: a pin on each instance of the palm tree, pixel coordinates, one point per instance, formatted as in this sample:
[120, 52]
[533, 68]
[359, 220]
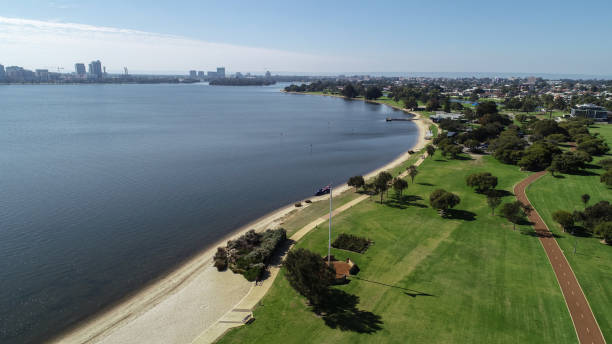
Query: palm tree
[412, 172]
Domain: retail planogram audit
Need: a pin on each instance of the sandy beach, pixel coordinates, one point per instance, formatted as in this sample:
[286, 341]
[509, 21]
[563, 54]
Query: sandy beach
[186, 303]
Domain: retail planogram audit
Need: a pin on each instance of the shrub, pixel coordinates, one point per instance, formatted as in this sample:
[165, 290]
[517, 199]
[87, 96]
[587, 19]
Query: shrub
[249, 253]
[220, 259]
[298, 204]
[351, 242]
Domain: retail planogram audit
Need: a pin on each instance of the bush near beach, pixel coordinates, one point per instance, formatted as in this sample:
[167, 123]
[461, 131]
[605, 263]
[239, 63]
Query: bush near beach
[351, 242]
[249, 254]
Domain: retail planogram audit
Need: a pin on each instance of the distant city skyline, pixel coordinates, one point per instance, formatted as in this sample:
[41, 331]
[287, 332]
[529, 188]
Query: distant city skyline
[544, 37]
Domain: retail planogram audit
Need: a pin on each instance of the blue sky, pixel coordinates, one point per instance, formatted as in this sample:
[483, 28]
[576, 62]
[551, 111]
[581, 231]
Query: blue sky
[322, 36]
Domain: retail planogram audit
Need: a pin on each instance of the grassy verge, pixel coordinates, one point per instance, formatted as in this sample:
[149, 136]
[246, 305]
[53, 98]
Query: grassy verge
[591, 262]
[469, 278]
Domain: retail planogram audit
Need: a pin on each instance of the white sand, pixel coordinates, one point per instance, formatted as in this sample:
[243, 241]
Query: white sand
[190, 300]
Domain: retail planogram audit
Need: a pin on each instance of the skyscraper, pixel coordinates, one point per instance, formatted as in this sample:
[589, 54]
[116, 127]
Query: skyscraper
[193, 74]
[79, 69]
[95, 69]
[220, 72]
[2, 73]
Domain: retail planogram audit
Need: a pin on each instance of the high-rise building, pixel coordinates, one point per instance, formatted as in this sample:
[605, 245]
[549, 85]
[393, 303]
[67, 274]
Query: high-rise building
[2, 73]
[42, 74]
[95, 69]
[268, 74]
[201, 74]
[193, 74]
[220, 72]
[79, 69]
[16, 73]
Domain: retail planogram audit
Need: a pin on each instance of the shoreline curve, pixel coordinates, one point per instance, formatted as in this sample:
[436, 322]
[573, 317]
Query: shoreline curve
[173, 299]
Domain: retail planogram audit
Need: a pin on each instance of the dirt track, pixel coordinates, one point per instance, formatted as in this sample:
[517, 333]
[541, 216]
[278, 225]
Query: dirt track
[584, 321]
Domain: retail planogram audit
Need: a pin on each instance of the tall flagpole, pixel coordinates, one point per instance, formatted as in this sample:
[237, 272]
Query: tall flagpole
[330, 218]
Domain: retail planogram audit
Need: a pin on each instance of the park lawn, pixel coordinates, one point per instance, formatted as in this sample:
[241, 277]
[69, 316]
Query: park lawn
[426, 279]
[299, 219]
[592, 260]
[313, 211]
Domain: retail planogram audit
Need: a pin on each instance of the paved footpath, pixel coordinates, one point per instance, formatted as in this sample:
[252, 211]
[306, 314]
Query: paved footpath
[586, 326]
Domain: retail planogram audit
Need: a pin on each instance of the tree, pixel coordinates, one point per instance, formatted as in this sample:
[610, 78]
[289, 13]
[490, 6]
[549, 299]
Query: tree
[430, 150]
[381, 183]
[585, 199]
[594, 146]
[356, 182]
[606, 178]
[538, 156]
[308, 274]
[493, 201]
[563, 218]
[597, 213]
[432, 105]
[451, 149]
[482, 182]
[399, 185]
[447, 105]
[547, 127]
[349, 91]
[606, 163]
[410, 103]
[513, 212]
[443, 200]
[412, 172]
[484, 108]
[508, 148]
[373, 93]
[570, 162]
[604, 230]
[472, 145]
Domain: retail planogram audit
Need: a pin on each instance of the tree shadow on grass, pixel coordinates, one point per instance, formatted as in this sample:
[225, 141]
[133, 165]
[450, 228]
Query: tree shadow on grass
[457, 214]
[592, 166]
[584, 173]
[339, 311]
[499, 193]
[463, 157]
[559, 176]
[404, 201]
[426, 184]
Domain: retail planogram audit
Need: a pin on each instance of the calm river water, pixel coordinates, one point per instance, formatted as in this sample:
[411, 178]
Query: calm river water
[105, 187]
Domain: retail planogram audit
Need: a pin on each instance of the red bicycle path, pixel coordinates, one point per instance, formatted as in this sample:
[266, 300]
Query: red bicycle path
[586, 326]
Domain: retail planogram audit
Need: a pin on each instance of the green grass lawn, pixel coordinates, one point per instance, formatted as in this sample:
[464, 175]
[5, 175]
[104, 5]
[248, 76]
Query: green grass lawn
[592, 260]
[467, 279]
